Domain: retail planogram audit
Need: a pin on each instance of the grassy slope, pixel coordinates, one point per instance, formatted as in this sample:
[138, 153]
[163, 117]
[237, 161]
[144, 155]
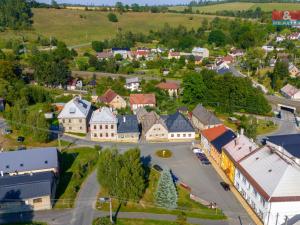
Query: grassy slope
[243, 6]
[66, 25]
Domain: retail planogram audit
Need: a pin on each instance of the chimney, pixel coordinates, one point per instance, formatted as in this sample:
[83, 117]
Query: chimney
[242, 131]
[124, 119]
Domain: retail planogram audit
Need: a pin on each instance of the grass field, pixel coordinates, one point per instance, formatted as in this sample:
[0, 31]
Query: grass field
[141, 222]
[147, 203]
[66, 24]
[235, 6]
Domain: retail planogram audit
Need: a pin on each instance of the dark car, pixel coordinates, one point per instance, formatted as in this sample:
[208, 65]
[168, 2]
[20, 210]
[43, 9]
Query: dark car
[21, 148]
[6, 131]
[205, 162]
[225, 186]
[20, 139]
[157, 168]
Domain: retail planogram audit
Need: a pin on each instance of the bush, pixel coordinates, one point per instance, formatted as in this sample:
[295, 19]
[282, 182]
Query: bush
[112, 17]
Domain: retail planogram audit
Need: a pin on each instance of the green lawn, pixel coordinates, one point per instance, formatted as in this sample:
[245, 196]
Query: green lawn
[66, 24]
[266, 127]
[76, 165]
[147, 203]
[141, 222]
[235, 6]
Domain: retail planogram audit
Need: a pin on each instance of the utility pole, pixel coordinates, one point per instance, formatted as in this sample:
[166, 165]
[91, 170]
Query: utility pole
[110, 210]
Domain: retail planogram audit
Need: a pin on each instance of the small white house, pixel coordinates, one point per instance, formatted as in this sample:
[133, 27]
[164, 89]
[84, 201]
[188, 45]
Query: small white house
[133, 84]
[268, 48]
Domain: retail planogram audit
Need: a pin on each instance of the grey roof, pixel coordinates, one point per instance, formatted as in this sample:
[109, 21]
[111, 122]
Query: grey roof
[28, 160]
[102, 116]
[178, 123]
[223, 140]
[132, 80]
[128, 124]
[206, 117]
[26, 186]
[76, 108]
[290, 142]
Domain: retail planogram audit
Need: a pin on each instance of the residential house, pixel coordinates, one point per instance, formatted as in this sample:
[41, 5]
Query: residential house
[183, 110]
[128, 128]
[124, 52]
[294, 36]
[219, 143]
[29, 161]
[237, 53]
[103, 125]
[234, 152]
[203, 119]
[179, 127]
[203, 52]
[74, 84]
[269, 181]
[133, 84]
[171, 87]
[2, 104]
[293, 70]
[280, 38]
[210, 134]
[112, 99]
[153, 126]
[228, 59]
[141, 100]
[290, 92]
[94, 96]
[104, 55]
[288, 144]
[223, 70]
[268, 48]
[174, 55]
[75, 116]
[27, 192]
[140, 54]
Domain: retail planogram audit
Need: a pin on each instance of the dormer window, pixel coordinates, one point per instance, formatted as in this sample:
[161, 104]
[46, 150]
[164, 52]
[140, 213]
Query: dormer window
[21, 164]
[7, 166]
[46, 162]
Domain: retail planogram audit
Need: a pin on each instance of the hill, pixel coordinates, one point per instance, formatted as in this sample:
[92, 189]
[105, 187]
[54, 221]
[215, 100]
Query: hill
[235, 6]
[77, 26]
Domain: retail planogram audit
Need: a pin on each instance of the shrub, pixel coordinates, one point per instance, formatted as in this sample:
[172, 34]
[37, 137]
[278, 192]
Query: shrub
[112, 17]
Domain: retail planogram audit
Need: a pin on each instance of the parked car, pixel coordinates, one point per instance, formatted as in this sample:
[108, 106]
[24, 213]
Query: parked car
[6, 131]
[197, 150]
[225, 186]
[20, 139]
[157, 168]
[21, 148]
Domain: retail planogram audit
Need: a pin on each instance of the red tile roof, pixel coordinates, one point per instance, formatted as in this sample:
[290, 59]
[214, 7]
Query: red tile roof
[142, 99]
[108, 96]
[228, 58]
[174, 53]
[168, 85]
[212, 133]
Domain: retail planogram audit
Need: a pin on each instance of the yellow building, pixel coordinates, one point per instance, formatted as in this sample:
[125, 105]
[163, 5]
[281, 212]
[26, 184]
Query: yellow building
[234, 152]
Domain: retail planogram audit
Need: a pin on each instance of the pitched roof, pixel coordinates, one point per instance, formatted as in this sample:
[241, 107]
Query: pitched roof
[128, 124]
[142, 99]
[103, 55]
[223, 139]
[228, 58]
[28, 160]
[206, 117]
[223, 70]
[108, 96]
[263, 166]
[174, 53]
[289, 90]
[240, 147]
[76, 108]
[178, 123]
[290, 142]
[168, 85]
[151, 118]
[132, 80]
[26, 186]
[212, 133]
[103, 115]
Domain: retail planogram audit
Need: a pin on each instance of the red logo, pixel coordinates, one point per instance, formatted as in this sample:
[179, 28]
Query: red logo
[286, 15]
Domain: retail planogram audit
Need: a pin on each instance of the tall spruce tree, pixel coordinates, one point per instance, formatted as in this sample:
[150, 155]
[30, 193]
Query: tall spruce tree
[166, 193]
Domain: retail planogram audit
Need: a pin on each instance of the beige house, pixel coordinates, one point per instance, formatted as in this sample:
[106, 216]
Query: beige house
[203, 119]
[171, 87]
[112, 99]
[293, 70]
[103, 125]
[153, 126]
[75, 116]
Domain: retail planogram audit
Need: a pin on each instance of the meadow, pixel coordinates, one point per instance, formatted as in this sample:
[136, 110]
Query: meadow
[235, 6]
[76, 27]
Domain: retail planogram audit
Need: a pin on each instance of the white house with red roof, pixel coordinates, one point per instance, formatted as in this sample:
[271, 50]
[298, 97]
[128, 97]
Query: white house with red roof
[174, 55]
[141, 100]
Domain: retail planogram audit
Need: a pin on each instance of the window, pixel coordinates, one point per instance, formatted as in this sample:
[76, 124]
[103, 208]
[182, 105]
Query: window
[190, 135]
[106, 135]
[7, 166]
[80, 120]
[100, 135]
[178, 135]
[112, 134]
[238, 174]
[69, 120]
[184, 135]
[63, 120]
[80, 128]
[112, 126]
[172, 135]
[70, 128]
[254, 192]
[21, 164]
[95, 135]
[37, 200]
[100, 127]
[95, 127]
[244, 180]
[106, 126]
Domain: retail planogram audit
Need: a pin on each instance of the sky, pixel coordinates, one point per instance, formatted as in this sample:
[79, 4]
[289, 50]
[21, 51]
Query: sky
[112, 2]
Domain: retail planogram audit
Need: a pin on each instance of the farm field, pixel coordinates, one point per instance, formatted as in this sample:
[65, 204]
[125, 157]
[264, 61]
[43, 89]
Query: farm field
[76, 27]
[235, 6]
